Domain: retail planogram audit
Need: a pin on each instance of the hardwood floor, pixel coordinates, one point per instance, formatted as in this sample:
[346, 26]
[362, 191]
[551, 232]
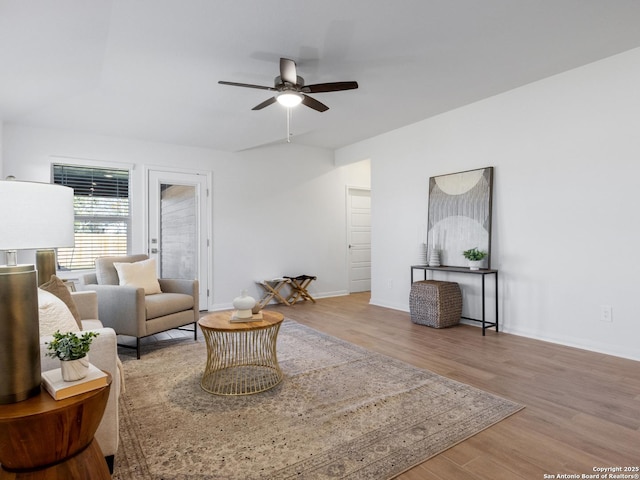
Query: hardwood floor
[582, 408]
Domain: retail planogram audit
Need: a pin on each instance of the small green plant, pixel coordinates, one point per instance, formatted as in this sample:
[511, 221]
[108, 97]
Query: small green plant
[69, 346]
[474, 254]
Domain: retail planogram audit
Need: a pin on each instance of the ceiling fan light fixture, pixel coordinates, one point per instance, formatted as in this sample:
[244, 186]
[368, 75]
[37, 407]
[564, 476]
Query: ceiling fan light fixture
[291, 90]
[289, 99]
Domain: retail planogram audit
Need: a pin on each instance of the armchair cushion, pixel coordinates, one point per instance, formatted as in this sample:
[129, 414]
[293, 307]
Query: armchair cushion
[166, 304]
[139, 274]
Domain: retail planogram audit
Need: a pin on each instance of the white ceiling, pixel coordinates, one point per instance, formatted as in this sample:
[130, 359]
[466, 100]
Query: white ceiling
[148, 69]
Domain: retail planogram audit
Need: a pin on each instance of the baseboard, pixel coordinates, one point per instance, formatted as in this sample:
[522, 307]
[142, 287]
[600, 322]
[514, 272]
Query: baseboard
[229, 306]
[402, 308]
[337, 293]
[613, 350]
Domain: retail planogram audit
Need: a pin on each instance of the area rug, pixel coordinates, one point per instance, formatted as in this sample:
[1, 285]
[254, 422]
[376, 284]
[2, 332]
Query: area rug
[340, 412]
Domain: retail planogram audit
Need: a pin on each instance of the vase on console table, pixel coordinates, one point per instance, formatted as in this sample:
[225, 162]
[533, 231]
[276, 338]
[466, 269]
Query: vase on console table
[434, 258]
[422, 254]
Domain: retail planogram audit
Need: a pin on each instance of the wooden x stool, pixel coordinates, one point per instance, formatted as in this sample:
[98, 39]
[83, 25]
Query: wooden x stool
[299, 287]
[272, 290]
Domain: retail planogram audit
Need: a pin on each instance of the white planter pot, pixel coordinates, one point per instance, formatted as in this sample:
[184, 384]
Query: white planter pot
[475, 264]
[73, 370]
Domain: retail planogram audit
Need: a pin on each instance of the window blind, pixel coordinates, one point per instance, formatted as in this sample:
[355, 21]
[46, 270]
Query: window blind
[101, 209]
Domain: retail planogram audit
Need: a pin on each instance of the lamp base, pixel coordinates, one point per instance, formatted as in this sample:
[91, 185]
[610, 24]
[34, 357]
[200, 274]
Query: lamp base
[19, 334]
[45, 265]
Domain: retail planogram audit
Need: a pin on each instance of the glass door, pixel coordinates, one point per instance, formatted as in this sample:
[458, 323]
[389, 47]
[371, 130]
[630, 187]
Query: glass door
[178, 227]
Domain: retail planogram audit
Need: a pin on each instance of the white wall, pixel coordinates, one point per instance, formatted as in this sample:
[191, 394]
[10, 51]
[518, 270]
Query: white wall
[279, 210]
[566, 152]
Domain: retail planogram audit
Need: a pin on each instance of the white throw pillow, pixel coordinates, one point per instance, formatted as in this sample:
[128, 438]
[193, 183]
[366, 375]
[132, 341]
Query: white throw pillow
[140, 275]
[54, 315]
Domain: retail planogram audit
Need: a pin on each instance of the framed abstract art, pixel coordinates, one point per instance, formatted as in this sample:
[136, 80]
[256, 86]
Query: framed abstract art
[460, 215]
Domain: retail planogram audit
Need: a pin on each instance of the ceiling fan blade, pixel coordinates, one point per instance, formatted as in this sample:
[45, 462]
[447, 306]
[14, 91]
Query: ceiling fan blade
[247, 85]
[329, 87]
[266, 103]
[288, 71]
[313, 103]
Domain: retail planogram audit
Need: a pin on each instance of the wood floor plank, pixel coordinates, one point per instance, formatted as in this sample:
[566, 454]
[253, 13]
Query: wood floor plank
[441, 468]
[490, 443]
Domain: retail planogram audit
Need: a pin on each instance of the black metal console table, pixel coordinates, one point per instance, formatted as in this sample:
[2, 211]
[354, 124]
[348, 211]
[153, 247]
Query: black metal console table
[482, 272]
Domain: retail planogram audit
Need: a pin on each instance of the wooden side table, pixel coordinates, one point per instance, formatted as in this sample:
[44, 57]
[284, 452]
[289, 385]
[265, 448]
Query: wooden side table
[241, 356]
[46, 439]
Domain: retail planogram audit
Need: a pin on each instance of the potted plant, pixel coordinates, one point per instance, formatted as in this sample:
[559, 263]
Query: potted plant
[475, 257]
[72, 351]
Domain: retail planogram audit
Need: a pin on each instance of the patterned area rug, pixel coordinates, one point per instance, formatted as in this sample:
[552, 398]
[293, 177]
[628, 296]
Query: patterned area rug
[340, 412]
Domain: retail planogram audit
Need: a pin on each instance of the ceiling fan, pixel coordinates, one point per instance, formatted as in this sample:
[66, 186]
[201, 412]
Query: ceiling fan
[291, 89]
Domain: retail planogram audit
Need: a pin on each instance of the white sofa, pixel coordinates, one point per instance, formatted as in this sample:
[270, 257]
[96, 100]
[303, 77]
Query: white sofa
[104, 355]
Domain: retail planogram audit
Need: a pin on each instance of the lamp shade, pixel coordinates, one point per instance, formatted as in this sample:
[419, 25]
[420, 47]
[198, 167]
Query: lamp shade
[35, 215]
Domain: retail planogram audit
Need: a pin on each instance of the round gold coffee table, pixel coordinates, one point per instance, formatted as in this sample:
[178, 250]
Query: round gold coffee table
[241, 356]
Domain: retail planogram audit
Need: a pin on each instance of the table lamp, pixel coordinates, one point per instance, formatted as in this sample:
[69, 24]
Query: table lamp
[32, 216]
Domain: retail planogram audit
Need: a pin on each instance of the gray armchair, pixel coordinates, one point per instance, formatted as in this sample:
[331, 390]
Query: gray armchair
[130, 312]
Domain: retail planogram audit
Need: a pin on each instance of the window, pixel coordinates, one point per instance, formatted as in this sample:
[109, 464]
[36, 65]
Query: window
[101, 205]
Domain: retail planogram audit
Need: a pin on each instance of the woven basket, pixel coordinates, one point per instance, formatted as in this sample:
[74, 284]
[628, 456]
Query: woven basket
[435, 304]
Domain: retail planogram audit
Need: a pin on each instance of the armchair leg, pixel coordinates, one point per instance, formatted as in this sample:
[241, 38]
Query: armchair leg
[195, 330]
[132, 347]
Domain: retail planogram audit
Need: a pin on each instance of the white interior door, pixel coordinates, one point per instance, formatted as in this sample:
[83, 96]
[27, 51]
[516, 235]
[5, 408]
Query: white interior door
[178, 227]
[359, 237]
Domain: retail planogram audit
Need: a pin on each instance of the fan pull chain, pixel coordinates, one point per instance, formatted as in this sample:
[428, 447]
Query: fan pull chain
[288, 124]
